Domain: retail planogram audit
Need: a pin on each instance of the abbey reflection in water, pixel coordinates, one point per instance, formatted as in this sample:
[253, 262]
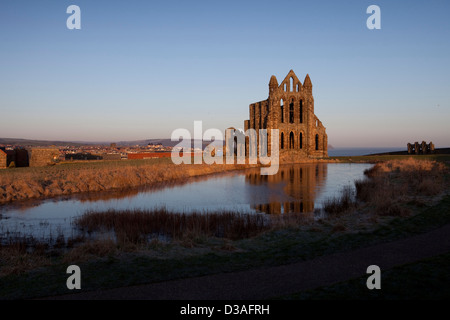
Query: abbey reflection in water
[293, 188]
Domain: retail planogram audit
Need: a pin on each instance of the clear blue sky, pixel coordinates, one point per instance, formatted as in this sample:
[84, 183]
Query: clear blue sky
[140, 69]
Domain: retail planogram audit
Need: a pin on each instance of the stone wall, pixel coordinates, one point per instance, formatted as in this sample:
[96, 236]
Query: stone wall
[3, 159]
[111, 156]
[40, 157]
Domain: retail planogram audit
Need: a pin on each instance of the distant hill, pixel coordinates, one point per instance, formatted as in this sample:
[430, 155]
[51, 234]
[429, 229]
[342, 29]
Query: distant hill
[164, 142]
[34, 143]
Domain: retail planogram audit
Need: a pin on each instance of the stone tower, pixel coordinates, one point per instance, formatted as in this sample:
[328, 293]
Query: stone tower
[290, 109]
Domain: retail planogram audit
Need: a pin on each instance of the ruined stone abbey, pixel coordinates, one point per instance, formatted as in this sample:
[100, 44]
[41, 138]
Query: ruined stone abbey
[290, 109]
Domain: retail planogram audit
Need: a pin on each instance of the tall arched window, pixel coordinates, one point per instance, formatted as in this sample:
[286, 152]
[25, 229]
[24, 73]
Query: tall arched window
[301, 111]
[291, 112]
[317, 142]
[282, 141]
[291, 82]
[301, 141]
[282, 111]
[291, 140]
[260, 117]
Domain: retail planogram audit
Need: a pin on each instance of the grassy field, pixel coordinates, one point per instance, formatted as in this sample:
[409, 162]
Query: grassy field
[426, 279]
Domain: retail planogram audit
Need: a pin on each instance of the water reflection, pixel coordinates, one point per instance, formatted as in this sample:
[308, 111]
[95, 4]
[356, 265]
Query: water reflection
[292, 190]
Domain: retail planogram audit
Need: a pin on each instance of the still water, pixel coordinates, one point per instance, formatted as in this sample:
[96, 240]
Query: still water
[295, 188]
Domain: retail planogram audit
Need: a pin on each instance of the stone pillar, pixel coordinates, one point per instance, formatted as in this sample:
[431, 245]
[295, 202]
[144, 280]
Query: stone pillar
[424, 147]
[431, 146]
[325, 146]
[416, 147]
[257, 117]
[252, 116]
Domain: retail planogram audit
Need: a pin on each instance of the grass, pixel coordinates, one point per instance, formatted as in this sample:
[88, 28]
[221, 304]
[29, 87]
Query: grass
[427, 279]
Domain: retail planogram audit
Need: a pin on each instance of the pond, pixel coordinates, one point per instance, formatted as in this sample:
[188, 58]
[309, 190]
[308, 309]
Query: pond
[295, 188]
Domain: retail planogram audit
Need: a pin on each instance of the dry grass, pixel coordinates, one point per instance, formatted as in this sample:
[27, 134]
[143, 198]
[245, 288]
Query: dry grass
[16, 258]
[27, 183]
[91, 249]
[393, 183]
[291, 220]
[342, 204]
[390, 185]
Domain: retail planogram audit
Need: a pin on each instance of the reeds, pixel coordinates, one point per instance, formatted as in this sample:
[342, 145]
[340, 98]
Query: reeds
[389, 185]
[392, 183]
[341, 204]
[138, 226]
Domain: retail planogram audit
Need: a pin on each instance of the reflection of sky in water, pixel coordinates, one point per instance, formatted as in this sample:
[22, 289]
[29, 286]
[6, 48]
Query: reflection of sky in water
[229, 191]
[338, 176]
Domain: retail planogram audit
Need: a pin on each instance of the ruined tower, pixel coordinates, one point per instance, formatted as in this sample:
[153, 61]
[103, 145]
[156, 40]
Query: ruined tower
[290, 109]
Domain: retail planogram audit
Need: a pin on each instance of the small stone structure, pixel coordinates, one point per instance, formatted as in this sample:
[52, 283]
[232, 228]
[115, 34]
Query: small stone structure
[3, 159]
[111, 156]
[18, 157]
[420, 148]
[290, 109]
[40, 157]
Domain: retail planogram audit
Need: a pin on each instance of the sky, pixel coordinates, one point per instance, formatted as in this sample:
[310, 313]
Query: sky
[141, 69]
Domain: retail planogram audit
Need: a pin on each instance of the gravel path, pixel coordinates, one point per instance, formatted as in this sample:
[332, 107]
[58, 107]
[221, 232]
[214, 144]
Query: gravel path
[275, 281]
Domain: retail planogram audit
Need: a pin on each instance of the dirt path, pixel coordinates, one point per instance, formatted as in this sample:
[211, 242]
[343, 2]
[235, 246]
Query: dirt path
[275, 281]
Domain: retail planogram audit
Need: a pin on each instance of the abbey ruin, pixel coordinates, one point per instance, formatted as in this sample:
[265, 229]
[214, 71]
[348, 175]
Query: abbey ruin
[290, 109]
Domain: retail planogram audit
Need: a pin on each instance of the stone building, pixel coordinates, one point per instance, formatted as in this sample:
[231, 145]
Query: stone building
[40, 157]
[17, 157]
[290, 109]
[33, 157]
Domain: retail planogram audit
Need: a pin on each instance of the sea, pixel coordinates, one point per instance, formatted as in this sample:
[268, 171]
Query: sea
[342, 152]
